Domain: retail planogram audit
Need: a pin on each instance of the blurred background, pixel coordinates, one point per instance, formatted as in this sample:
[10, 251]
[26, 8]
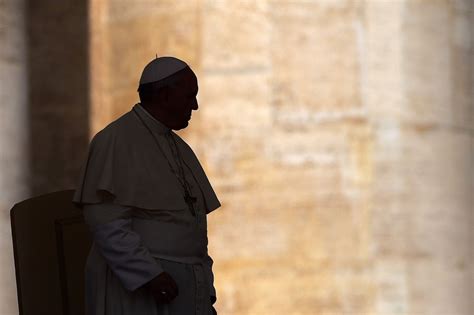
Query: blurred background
[338, 136]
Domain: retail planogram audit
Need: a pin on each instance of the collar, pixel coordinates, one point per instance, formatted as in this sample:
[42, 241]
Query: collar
[157, 125]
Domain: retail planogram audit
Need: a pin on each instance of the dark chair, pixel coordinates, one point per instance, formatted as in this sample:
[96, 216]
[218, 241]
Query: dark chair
[51, 243]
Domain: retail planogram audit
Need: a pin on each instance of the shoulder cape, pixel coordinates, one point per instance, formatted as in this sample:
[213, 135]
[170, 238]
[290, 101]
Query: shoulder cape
[123, 160]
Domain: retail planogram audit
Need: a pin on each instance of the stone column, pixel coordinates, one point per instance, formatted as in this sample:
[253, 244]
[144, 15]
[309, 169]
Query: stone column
[58, 77]
[13, 138]
[419, 91]
[44, 110]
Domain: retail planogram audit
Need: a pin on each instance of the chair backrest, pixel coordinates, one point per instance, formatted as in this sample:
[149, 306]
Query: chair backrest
[51, 243]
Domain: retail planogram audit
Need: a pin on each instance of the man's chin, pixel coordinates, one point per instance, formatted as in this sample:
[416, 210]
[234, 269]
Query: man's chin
[182, 126]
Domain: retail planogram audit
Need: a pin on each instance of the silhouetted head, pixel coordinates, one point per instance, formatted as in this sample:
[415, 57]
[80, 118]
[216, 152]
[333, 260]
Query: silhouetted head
[172, 98]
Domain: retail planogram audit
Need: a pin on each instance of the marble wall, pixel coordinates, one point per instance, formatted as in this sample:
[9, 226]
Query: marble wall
[338, 136]
[14, 140]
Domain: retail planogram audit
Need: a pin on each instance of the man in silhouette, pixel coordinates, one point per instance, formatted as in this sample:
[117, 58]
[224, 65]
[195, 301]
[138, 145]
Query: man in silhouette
[145, 198]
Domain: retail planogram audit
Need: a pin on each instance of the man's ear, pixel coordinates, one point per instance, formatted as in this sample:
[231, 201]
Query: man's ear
[167, 93]
[164, 94]
[160, 95]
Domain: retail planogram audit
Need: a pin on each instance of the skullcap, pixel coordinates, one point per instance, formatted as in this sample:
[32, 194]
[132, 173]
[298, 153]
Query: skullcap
[161, 68]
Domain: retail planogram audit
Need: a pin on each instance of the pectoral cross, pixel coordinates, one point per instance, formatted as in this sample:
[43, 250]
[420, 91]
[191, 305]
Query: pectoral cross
[190, 200]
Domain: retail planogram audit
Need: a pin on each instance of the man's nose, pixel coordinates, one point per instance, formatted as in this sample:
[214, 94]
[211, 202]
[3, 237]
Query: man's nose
[194, 104]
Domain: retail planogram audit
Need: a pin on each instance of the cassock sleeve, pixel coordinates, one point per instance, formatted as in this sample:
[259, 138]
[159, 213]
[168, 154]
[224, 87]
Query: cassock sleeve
[111, 228]
[210, 277]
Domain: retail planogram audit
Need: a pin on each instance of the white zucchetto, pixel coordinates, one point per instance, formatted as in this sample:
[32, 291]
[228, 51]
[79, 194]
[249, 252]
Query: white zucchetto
[161, 68]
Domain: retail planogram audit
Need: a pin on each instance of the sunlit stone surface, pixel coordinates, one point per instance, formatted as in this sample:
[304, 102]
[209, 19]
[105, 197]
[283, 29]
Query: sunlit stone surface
[338, 136]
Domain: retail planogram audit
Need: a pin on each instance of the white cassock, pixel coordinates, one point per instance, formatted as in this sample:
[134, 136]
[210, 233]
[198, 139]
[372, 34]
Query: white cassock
[131, 193]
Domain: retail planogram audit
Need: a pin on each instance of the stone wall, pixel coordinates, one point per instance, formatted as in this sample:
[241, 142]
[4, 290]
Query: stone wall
[14, 142]
[338, 136]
